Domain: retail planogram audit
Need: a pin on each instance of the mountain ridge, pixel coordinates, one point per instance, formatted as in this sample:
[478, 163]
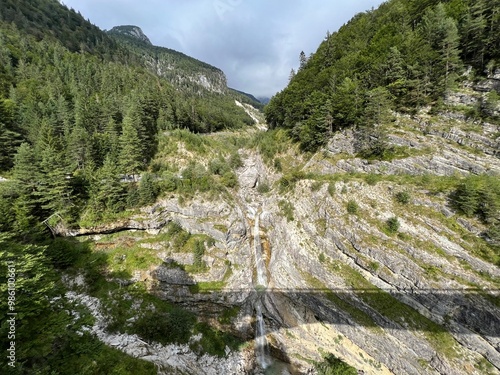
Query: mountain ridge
[132, 31]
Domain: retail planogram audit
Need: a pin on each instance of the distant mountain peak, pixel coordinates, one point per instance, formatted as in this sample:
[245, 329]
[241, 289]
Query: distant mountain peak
[132, 31]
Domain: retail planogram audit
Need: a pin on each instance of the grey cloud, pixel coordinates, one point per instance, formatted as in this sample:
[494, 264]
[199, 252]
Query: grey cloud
[255, 42]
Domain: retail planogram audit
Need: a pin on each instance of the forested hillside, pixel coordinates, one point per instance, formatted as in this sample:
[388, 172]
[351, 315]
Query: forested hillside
[181, 70]
[402, 56]
[48, 19]
[68, 117]
[80, 119]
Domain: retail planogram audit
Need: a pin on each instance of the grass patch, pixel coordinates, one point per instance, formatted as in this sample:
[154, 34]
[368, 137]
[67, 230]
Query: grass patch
[221, 228]
[207, 287]
[352, 207]
[333, 365]
[286, 209]
[229, 314]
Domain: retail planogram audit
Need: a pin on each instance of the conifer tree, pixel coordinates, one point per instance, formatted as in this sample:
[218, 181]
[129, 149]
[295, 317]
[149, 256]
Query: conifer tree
[108, 193]
[441, 33]
[54, 190]
[302, 60]
[26, 180]
[131, 153]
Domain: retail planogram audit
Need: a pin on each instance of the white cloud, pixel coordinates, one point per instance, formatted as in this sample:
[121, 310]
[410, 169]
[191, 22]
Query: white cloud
[255, 42]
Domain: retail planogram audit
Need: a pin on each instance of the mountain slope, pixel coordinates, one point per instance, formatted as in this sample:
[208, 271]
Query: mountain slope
[144, 241]
[80, 123]
[132, 32]
[181, 70]
[49, 18]
[401, 56]
[371, 261]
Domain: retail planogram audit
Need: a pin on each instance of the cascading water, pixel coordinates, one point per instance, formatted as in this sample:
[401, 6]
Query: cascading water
[262, 349]
[269, 365]
[259, 261]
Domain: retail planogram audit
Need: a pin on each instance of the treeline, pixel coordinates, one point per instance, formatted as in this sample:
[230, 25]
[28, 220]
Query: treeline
[401, 56]
[48, 19]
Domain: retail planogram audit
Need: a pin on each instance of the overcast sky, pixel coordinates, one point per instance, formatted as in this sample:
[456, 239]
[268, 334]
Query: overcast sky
[255, 42]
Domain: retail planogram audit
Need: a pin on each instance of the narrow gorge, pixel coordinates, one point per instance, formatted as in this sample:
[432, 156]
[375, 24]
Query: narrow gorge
[307, 277]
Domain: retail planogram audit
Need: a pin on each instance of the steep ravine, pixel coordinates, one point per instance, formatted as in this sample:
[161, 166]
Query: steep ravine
[326, 281]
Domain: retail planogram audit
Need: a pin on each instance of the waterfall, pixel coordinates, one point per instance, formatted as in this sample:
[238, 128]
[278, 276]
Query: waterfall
[262, 349]
[259, 261]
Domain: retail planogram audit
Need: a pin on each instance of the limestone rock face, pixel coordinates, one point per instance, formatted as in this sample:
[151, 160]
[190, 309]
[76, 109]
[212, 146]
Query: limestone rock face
[133, 31]
[420, 301]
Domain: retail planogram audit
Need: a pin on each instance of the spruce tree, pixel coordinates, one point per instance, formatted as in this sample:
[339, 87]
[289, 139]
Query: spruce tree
[131, 155]
[302, 60]
[109, 191]
[54, 191]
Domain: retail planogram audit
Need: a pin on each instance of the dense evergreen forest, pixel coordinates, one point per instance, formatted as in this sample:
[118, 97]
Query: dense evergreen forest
[70, 116]
[402, 56]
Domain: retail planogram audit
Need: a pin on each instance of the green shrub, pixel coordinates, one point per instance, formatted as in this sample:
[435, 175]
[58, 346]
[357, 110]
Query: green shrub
[229, 180]
[198, 252]
[174, 326]
[263, 187]
[334, 366]
[352, 207]
[478, 195]
[402, 197]
[393, 224]
[316, 185]
[277, 165]
[372, 179]
[466, 198]
[213, 341]
[235, 161]
[286, 209]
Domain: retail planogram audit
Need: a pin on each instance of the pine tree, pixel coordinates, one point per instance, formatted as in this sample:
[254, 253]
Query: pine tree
[25, 167]
[441, 33]
[131, 155]
[112, 139]
[147, 189]
[394, 70]
[26, 175]
[54, 190]
[474, 33]
[346, 101]
[78, 147]
[378, 107]
[10, 138]
[302, 60]
[108, 192]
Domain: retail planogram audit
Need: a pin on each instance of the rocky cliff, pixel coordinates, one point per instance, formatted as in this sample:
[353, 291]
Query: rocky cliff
[423, 299]
[131, 31]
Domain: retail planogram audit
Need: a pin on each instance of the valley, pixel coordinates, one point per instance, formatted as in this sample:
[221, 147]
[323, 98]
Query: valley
[154, 220]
